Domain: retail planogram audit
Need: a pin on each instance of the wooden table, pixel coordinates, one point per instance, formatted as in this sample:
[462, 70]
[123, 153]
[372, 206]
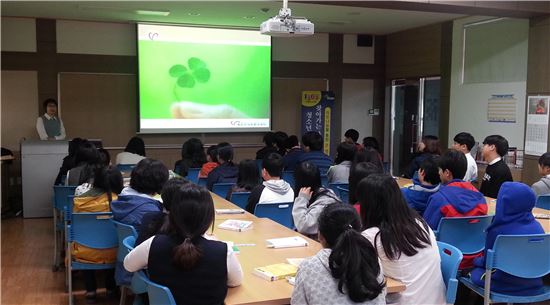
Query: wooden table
[255, 290]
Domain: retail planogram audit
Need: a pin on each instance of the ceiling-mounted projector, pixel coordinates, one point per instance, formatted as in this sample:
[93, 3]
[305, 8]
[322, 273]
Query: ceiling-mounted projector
[285, 25]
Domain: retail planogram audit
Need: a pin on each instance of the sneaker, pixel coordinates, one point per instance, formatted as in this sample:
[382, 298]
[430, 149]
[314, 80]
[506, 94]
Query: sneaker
[91, 297]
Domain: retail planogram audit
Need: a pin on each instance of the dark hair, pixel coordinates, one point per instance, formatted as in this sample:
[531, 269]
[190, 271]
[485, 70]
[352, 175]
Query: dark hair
[212, 151]
[149, 176]
[353, 260]
[544, 160]
[344, 152]
[169, 189]
[136, 146]
[280, 138]
[225, 152]
[249, 176]
[269, 139]
[313, 140]
[352, 134]
[74, 144]
[357, 173]
[191, 214]
[88, 156]
[193, 151]
[104, 157]
[273, 164]
[307, 174]
[455, 162]
[402, 230]
[500, 143]
[466, 139]
[109, 180]
[432, 145]
[291, 142]
[49, 101]
[367, 155]
[431, 170]
[371, 142]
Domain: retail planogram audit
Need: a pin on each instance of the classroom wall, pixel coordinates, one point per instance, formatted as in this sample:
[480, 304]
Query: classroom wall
[469, 101]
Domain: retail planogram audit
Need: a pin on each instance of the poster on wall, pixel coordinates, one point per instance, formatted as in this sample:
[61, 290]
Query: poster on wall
[317, 114]
[536, 134]
[501, 108]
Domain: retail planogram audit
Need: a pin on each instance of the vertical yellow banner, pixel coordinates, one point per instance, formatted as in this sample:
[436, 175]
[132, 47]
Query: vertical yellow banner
[326, 135]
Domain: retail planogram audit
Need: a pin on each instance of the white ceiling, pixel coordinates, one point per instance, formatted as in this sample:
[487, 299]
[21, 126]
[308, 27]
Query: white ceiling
[327, 18]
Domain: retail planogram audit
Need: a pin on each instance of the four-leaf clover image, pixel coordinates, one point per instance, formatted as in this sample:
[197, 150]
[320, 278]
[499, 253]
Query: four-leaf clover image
[187, 77]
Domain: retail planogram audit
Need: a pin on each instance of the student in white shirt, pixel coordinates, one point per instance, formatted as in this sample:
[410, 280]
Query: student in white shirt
[49, 126]
[196, 269]
[133, 153]
[464, 142]
[405, 243]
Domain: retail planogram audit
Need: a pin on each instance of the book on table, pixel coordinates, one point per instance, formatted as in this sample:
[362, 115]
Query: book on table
[229, 211]
[286, 242]
[236, 225]
[276, 271]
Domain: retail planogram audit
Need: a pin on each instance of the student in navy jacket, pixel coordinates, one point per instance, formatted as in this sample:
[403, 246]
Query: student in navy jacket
[513, 217]
[146, 180]
[424, 186]
[227, 171]
[290, 160]
[313, 147]
[456, 197]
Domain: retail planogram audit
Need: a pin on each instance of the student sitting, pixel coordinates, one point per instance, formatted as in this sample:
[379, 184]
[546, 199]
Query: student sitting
[428, 147]
[464, 142]
[351, 136]
[339, 173]
[369, 155]
[513, 216]
[192, 156]
[133, 153]
[497, 172]
[269, 141]
[424, 186]
[404, 242]
[197, 270]
[87, 160]
[372, 143]
[211, 161]
[280, 139]
[93, 198]
[313, 146]
[249, 178]
[346, 270]
[290, 160]
[227, 171]
[311, 199]
[357, 173]
[274, 189]
[69, 161]
[542, 187]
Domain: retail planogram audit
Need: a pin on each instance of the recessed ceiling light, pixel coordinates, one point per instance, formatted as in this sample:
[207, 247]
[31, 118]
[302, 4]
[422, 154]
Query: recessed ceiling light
[193, 14]
[249, 17]
[152, 13]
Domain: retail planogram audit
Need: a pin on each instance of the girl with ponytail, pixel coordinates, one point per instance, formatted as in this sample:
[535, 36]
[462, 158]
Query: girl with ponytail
[347, 270]
[195, 269]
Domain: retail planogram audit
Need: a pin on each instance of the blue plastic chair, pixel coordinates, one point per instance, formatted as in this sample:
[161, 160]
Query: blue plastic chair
[543, 202]
[93, 230]
[202, 182]
[278, 212]
[288, 176]
[526, 256]
[344, 194]
[158, 294]
[324, 180]
[450, 260]
[124, 230]
[334, 187]
[221, 189]
[193, 175]
[138, 286]
[465, 233]
[240, 199]
[60, 201]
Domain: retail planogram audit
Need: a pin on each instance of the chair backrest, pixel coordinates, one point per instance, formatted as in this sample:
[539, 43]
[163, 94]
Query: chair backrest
[324, 180]
[193, 174]
[240, 199]
[158, 294]
[450, 260]
[288, 176]
[202, 182]
[93, 230]
[278, 212]
[343, 193]
[543, 202]
[465, 233]
[137, 284]
[334, 187]
[61, 195]
[125, 167]
[221, 189]
[123, 230]
[526, 256]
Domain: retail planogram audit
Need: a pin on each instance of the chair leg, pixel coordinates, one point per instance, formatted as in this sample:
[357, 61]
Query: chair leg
[55, 243]
[123, 292]
[70, 279]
